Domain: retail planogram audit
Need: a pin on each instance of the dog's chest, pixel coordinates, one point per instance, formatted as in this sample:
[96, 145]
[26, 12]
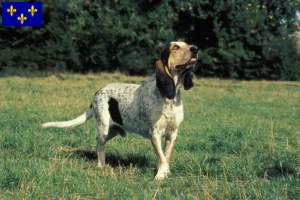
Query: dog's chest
[172, 109]
[170, 118]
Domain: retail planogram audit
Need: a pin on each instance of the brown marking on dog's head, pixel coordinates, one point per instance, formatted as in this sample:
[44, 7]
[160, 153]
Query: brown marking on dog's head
[177, 58]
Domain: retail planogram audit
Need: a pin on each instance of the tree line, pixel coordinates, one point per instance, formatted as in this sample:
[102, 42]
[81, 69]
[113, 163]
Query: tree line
[237, 39]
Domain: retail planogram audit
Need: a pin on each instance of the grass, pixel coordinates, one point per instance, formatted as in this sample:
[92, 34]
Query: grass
[239, 140]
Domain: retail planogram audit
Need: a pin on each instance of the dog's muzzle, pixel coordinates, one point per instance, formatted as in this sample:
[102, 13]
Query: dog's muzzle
[192, 62]
[189, 65]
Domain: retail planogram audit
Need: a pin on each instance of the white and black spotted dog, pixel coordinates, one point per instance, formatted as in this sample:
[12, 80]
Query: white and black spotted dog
[153, 109]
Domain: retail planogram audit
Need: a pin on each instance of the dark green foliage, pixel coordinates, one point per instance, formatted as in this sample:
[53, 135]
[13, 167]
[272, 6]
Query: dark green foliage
[245, 39]
[120, 35]
[252, 39]
[238, 39]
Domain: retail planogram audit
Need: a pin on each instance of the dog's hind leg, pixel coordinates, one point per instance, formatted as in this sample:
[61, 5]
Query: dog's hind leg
[109, 122]
[102, 118]
[101, 150]
[102, 138]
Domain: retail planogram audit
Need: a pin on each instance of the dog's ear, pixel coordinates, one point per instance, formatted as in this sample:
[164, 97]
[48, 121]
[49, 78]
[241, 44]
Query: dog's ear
[165, 53]
[187, 81]
[164, 81]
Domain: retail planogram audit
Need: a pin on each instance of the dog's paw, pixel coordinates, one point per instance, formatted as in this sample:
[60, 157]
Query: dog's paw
[162, 174]
[160, 177]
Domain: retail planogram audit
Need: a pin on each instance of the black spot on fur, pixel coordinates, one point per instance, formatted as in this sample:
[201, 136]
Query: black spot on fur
[114, 111]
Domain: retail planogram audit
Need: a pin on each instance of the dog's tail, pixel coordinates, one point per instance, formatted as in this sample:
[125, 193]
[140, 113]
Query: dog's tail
[71, 123]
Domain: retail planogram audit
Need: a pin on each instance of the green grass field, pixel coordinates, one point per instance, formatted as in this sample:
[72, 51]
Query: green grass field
[239, 140]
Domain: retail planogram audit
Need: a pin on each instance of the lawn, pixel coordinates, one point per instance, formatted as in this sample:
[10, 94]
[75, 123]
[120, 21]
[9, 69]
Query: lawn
[239, 140]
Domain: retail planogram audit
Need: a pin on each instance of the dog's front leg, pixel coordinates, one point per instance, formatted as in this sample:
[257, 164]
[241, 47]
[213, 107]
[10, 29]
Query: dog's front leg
[163, 166]
[169, 145]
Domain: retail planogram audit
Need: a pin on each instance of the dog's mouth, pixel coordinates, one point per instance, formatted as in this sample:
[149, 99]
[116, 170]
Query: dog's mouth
[190, 64]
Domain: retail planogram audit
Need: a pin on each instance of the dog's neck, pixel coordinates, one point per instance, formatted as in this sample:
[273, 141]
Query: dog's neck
[178, 80]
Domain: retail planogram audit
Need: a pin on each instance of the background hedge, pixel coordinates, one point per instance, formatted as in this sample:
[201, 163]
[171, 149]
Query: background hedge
[238, 39]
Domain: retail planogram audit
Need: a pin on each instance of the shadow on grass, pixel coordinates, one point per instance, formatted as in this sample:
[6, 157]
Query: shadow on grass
[278, 170]
[136, 160]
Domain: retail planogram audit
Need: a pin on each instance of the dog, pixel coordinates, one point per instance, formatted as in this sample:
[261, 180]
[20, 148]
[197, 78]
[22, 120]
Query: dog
[153, 109]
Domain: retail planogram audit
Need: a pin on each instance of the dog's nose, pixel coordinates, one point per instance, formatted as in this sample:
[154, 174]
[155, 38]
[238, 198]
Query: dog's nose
[194, 49]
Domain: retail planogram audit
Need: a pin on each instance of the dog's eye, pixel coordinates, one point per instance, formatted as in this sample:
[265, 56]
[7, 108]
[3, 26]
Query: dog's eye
[176, 47]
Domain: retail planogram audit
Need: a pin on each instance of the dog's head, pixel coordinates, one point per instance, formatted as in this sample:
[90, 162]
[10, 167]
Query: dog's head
[177, 59]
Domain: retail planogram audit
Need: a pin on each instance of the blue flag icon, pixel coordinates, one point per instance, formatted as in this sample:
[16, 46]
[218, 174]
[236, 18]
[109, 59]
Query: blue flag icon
[22, 13]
